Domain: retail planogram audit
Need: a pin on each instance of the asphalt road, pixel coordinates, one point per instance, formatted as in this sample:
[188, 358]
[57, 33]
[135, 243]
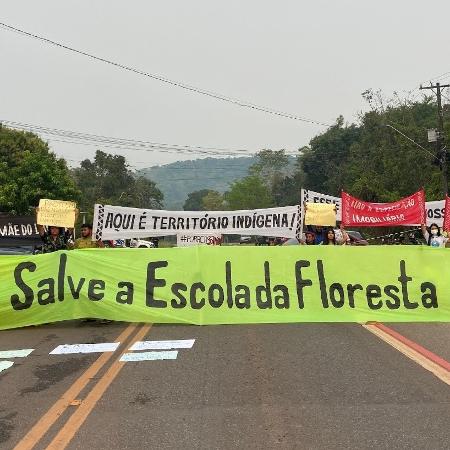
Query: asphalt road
[299, 386]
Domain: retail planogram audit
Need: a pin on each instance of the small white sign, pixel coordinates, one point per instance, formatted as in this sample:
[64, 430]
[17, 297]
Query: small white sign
[66, 349]
[162, 345]
[5, 365]
[148, 356]
[188, 240]
[15, 353]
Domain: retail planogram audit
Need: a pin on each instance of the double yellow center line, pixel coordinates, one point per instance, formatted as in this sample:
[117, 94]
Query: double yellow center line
[76, 420]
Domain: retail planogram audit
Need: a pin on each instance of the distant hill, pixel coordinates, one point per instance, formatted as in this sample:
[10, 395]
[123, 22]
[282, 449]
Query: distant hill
[178, 179]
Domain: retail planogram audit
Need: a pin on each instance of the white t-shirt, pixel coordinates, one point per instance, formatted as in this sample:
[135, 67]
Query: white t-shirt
[339, 235]
[435, 241]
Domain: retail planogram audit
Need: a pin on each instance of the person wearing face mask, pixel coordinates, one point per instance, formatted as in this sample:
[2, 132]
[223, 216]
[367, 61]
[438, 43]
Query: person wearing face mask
[433, 236]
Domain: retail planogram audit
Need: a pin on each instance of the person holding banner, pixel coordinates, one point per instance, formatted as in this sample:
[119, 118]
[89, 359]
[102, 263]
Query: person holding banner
[433, 236]
[59, 216]
[55, 238]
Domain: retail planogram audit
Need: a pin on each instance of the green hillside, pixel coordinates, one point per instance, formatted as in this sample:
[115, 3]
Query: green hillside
[178, 179]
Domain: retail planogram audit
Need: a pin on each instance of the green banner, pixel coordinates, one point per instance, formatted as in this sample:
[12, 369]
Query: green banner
[228, 285]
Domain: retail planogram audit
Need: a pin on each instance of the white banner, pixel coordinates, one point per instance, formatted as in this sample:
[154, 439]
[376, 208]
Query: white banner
[188, 240]
[117, 222]
[435, 212]
[434, 209]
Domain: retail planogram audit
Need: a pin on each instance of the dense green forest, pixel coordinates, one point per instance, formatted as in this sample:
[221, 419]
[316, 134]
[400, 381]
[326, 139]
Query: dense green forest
[376, 159]
[385, 155]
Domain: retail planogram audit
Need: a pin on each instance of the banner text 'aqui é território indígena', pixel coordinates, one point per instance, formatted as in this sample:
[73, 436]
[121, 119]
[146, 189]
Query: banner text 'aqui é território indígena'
[118, 222]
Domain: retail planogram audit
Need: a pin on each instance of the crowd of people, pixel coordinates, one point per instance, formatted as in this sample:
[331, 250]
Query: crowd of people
[432, 235]
[325, 236]
[56, 238]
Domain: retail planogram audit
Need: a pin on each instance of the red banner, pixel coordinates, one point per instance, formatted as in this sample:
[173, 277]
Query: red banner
[447, 214]
[357, 213]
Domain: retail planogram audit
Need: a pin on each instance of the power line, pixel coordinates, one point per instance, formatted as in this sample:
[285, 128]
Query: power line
[413, 141]
[123, 142]
[152, 149]
[88, 139]
[439, 77]
[199, 168]
[446, 97]
[167, 169]
[91, 140]
[74, 137]
[162, 79]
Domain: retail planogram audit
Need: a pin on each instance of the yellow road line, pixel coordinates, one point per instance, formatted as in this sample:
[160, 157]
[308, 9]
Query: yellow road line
[54, 413]
[76, 420]
[412, 354]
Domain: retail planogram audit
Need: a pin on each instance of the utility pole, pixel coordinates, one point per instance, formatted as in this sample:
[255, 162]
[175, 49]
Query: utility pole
[440, 144]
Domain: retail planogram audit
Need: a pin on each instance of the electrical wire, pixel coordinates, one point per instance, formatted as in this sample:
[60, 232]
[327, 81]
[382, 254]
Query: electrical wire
[445, 96]
[162, 79]
[106, 140]
[81, 138]
[153, 149]
[413, 141]
[440, 77]
[166, 168]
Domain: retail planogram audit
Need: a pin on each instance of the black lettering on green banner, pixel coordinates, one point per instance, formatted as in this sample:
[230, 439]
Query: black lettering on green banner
[226, 285]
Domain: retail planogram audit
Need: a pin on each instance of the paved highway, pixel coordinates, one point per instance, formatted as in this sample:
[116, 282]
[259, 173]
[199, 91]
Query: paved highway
[298, 386]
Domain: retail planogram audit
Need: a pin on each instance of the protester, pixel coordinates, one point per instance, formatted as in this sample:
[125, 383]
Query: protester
[310, 238]
[329, 237]
[433, 236]
[341, 235]
[54, 239]
[319, 236]
[85, 241]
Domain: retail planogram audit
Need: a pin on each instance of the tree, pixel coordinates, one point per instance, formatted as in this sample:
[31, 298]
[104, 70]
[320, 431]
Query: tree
[287, 190]
[29, 171]
[248, 193]
[271, 166]
[283, 180]
[213, 201]
[108, 179]
[143, 193]
[194, 201]
[373, 161]
[324, 160]
[269, 162]
[383, 165]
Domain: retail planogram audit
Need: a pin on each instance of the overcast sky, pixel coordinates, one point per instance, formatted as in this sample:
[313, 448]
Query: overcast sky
[309, 58]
